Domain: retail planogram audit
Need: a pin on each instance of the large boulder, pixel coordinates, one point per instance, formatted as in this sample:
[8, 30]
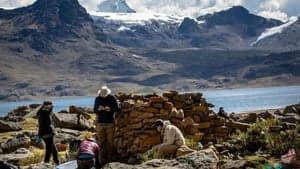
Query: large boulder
[290, 118]
[236, 164]
[66, 136]
[266, 115]
[292, 109]
[42, 166]
[249, 118]
[204, 159]
[17, 156]
[72, 121]
[5, 165]
[83, 111]
[15, 143]
[24, 111]
[9, 126]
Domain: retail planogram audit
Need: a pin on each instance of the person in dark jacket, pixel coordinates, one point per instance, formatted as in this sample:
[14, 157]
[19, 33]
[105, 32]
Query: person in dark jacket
[106, 105]
[222, 113]
[88, 154]
[47, 131]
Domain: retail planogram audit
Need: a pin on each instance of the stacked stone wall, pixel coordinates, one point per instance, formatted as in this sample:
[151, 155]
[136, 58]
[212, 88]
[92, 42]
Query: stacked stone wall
[190, 112]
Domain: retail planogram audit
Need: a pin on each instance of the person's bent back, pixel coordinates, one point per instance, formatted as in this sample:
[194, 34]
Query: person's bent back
[88, 154]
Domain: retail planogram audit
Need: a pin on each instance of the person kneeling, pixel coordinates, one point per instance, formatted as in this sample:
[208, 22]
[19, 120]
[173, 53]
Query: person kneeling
[88, 154]
[172, 139]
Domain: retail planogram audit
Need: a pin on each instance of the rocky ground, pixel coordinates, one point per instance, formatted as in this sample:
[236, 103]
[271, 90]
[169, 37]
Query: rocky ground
[251, 140]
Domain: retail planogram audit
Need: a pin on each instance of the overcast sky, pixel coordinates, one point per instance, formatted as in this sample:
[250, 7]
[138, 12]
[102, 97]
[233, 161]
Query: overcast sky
[280, 9]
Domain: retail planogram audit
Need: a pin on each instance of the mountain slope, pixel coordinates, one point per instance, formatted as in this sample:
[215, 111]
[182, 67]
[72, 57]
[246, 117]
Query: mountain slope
[240, 20]
[45, 22]
[48, 53]
[287, 39]
[115, 6]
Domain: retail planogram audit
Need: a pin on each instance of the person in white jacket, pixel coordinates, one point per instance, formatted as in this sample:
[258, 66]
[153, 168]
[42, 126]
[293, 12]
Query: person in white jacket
[172, 139]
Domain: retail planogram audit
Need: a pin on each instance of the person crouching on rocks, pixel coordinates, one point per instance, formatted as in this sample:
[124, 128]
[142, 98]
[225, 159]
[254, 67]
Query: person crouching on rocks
[47, 131]
[172, 139]
[105, 107]
[88, 154]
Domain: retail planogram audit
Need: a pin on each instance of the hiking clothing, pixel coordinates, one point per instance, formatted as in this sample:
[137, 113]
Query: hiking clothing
[47, 131]
[104, 116]
[89, 147]
[86, 162]
[172, 136]
[165, 150]
[88, 154]
[172, 140]
[46, 128]
[105, 138]
[50, 149]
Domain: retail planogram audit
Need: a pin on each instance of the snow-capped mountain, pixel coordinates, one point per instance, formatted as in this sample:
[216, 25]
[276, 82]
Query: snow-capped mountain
[135, 18]
[234, 28]
[115, 6]
[284, 37]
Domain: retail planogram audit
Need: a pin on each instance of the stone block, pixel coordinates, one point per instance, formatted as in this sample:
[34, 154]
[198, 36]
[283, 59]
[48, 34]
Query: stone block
[192, 129]
[204, 125]
[150, 140]
[188, 121]
[168, 105]
[197, 136]
[134, 114]
[222, 130]
[178, 114]
[151, 110]
[135, 126]
[6, 126]
[146, 115]
[158, 105]
[157, 99]
[199, 109]
[197, 118]
[239, 126]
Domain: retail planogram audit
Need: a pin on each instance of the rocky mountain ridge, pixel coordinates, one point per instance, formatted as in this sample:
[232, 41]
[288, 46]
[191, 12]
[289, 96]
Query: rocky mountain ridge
[234, 28]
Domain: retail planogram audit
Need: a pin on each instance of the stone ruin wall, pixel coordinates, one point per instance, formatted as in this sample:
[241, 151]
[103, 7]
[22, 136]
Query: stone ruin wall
[134, 134]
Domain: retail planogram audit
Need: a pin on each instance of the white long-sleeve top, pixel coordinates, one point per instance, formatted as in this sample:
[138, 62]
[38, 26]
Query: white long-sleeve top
[172, 135]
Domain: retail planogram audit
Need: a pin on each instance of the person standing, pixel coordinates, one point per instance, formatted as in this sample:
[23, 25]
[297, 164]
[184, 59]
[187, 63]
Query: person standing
[46, 131]
[105, 107]
[222, 113]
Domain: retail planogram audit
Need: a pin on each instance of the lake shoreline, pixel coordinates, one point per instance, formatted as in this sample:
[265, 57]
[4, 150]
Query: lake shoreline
[235, 87]
[240, 100]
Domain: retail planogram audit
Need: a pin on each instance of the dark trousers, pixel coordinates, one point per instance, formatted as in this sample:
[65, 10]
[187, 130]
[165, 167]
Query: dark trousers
[86, 161]
[50, 149]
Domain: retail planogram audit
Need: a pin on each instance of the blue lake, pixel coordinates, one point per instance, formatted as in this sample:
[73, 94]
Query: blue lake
[233, 100]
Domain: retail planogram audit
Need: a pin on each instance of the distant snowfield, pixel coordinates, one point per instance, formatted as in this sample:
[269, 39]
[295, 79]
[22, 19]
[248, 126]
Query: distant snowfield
[136, 18]
[275, 30]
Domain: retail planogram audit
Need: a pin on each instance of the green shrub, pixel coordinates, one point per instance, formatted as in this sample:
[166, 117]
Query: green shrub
[260, 137]
[148, 155]
[191, 143]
